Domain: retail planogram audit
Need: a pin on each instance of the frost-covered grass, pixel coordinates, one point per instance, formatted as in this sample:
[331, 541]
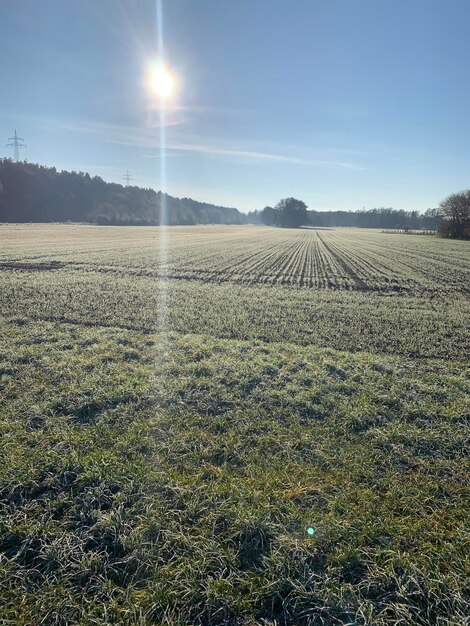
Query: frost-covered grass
[170, 477]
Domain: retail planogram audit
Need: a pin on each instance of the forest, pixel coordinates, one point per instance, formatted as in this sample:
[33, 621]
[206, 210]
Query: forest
[35, 193]
[386, 218]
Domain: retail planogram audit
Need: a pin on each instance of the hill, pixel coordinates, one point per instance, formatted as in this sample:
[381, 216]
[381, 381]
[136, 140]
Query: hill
[34, 193]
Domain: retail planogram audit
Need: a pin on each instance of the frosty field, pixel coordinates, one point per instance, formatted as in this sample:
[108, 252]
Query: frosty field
[178, 406]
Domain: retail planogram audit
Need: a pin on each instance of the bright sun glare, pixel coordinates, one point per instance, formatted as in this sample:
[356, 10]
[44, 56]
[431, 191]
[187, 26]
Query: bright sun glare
[162, 81]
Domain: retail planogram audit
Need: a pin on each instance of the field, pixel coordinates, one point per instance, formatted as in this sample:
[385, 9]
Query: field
[179, 405]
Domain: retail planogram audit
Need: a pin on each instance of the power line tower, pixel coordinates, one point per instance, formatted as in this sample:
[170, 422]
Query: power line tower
[16, 143]
[127, 177]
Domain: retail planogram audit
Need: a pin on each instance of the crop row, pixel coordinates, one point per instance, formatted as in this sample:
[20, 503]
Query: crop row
[332, 259]
[395, 323]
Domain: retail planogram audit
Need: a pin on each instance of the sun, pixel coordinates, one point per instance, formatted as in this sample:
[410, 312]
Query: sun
[162, 82]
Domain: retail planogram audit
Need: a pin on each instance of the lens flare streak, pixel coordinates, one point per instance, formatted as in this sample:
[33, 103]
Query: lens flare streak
[162, 313]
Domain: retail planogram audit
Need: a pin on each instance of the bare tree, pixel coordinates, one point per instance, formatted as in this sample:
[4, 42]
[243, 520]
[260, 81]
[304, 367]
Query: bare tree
[455, 213]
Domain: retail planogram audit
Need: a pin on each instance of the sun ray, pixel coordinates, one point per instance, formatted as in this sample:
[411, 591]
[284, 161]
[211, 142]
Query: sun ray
[162, 313]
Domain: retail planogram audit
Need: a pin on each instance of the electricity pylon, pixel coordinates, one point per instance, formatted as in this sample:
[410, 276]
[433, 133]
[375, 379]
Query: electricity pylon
[127, 177]
[16, 143]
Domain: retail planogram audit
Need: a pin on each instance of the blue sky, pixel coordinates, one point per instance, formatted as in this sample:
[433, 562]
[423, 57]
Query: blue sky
[342, 103]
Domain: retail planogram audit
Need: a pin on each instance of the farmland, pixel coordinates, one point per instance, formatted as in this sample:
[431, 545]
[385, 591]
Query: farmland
[179, 405]
[345, 259]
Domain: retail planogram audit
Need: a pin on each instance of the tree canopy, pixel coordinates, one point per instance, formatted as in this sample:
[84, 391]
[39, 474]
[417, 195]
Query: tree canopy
[35, 193]
[386, 218]
[455, 215]
[269, 216]
[292, 213]
[288, 213]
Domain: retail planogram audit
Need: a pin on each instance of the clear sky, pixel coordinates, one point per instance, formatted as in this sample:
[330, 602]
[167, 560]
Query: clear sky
[341, 103]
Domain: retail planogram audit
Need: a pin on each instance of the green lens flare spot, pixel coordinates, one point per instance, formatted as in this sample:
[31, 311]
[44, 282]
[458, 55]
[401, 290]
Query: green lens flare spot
[311, 531]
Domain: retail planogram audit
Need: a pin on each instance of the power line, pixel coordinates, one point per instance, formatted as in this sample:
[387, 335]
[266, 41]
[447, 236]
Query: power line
[16, 143]
[127, 177]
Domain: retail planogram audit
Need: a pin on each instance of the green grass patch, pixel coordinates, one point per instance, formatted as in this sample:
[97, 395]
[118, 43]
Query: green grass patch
[170, 479]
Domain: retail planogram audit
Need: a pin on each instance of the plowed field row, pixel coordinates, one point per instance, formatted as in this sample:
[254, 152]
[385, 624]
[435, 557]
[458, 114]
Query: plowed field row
[341, 259]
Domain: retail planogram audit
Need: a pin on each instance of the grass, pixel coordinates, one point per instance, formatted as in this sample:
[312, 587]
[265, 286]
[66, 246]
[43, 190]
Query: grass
[411, 325]
[170, 477]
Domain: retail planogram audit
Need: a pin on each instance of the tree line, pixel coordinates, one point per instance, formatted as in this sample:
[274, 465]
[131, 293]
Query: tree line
[36, 193]
[385, 218]
[450, 219]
